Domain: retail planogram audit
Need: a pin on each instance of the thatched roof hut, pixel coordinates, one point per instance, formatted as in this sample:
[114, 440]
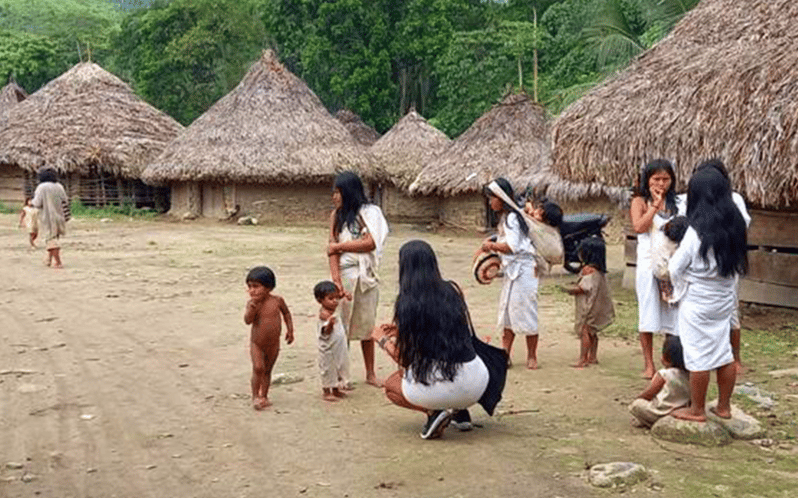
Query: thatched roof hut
[510, 140]
[86, 118]
[11, 95]
[721, 84]
[271, 128]
[406, 148]
[362, 133]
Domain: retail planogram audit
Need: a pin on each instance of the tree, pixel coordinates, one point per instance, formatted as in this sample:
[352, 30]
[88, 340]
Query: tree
[27, 58]
[184, 55]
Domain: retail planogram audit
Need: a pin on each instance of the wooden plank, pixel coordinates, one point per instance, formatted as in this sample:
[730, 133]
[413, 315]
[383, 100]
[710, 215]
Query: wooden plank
[773, 267]
[765, 293]
[772, 228]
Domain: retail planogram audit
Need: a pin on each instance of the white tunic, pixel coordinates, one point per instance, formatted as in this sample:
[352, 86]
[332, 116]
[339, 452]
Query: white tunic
[333, 354]
[464, 390]
[654, 315]
[518, 303]
[705, 311]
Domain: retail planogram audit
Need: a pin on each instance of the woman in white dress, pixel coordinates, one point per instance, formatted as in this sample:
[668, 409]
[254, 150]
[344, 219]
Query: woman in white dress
[518, 303]
[357, 235]
[709, 258]
[653, 204]
[50, 199]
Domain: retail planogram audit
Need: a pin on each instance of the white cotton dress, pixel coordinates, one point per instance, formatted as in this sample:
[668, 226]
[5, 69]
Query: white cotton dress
[705, 310]
[740, 203]
[518, 302]
[333, 354]
[654, 315]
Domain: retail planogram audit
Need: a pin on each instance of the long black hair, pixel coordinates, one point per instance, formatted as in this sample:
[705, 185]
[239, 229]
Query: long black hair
[48, 174]
[505, 185]
[593, 252]
[644, 191]
[673, 352]
[431, 315]
[720, 226]
[353, 196]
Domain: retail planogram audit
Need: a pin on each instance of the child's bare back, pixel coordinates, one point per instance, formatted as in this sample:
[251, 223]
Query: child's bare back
[264, 312]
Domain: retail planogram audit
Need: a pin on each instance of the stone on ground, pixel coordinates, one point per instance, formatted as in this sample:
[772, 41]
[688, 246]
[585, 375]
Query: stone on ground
[688, 432]
[617, 474]
[740, 426]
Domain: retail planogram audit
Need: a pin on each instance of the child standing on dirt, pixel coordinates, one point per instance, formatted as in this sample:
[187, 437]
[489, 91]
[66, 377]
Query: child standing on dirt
[30, 218]
[333, 349]
[669, 388]
[594, 308]
[263, 312]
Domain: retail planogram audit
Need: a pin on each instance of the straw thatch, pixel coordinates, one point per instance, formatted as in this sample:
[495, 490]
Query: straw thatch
[11, 95]
[270, 129]
[510, 140]
[722, 84]
[406, 148]
[360, 131]
[87, 117]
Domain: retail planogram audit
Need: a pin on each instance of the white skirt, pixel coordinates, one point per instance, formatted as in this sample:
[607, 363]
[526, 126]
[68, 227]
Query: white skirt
[464, 390]
[518, 303]
[703, 324]
[654, 314]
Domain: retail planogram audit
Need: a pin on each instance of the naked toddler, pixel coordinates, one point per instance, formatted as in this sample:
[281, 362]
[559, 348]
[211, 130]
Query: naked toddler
[263, 312]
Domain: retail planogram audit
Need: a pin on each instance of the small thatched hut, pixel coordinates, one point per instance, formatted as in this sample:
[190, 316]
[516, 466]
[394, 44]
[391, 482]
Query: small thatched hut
[510, 140]
[12, 178]
[399, 157]
[268, 148]
[362, 133]
[90, 126]
[721, 84]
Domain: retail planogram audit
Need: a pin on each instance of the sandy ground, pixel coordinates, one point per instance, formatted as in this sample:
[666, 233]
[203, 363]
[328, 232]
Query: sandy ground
[126, 374]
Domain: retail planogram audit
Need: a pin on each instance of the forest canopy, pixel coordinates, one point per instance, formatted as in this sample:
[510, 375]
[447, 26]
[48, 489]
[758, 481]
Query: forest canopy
[449, 59]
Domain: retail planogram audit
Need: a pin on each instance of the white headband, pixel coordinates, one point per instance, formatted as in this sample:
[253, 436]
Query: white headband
[496, 190]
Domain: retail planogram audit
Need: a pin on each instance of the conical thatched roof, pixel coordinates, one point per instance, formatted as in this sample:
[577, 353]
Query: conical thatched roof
[270, 129]
[411, 144]
[722, 84]
[360, 131]
[11, 95]
[85, 117]
[510, 140]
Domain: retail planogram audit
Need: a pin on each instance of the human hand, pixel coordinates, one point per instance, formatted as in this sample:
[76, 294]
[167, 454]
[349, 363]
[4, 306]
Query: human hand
[289, 336]
[488, 246]
[333, 248]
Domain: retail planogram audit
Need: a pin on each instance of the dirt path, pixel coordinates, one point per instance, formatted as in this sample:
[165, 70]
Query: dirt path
[126, 374]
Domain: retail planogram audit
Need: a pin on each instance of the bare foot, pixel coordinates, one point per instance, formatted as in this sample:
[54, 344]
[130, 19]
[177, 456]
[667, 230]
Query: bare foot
[687, 413]
[532, 363]
[260, 403]
[581, 364]
[329, 397]
[722, 414]
[594, 361]
[58, 267]
[373, 381]
[338, 394]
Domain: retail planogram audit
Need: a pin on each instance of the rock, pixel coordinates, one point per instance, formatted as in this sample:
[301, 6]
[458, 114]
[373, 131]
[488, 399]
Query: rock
[247, 220]
[761, 398]
[14, 465]
[189, 216]
[27, 477]
[687, 432]
[777, 374]
[607, 475]
[740, 426]
[286, 378]
[30, 388]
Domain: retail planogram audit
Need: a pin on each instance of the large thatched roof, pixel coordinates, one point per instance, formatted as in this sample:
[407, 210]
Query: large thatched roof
[270, 129]
[405, 149]
[722, 84]
[11, 95]
[510, 140]
[85, 117]
[360, 131]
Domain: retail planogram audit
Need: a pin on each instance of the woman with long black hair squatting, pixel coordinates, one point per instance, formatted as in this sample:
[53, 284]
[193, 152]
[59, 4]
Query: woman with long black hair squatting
[710, 256]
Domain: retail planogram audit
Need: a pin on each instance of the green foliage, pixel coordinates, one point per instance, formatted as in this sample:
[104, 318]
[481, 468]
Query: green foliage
[184, 55]
[7, 209]
[27, 58]
[128, 209]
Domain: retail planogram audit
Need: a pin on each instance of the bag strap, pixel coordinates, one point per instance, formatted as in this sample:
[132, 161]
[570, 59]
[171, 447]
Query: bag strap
[467, 313]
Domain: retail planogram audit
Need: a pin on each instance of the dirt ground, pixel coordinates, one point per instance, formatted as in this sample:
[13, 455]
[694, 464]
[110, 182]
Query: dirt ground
[126, 374]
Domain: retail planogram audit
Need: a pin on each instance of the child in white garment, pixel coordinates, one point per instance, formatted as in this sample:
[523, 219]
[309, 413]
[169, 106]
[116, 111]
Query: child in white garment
[663, 246]
[669, 388]
[333, 350]
[29, 218]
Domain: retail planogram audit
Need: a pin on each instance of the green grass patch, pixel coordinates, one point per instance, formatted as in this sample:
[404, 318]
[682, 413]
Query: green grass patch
[8, 209]
[127, 210]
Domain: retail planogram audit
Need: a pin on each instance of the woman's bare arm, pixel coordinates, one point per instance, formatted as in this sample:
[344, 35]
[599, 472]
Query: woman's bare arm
[642, 214]
[363, 244]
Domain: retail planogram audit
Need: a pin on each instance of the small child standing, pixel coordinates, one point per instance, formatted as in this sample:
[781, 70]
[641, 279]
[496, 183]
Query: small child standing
[669, 388]
[263, 312]
[663, 246]
[30, 218]
[333, 349]
[594, 308]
